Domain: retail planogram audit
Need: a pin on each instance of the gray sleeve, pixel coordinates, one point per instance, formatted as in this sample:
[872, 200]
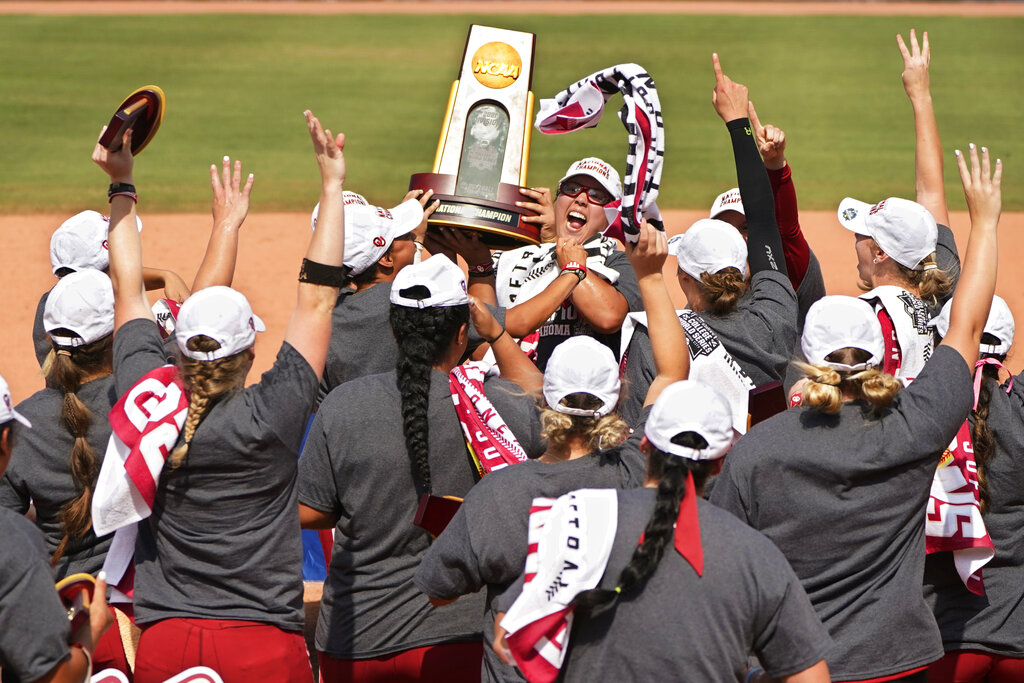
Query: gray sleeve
[947, 257]
[634, 462]
[317, 485]
[13, 494]
[138, 349]
[789, 636]
[639, 373]
[509, 595]
[726, 493]
[33, 625]
[774, 300]
[520, 412]
[935, 404]
[450, 568]
[284, 397]
[627, 285]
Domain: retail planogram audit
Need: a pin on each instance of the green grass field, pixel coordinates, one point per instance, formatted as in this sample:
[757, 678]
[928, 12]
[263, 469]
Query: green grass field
[238, 84]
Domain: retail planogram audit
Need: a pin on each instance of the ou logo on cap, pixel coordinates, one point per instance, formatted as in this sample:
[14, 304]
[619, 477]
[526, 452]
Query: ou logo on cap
[378, 241]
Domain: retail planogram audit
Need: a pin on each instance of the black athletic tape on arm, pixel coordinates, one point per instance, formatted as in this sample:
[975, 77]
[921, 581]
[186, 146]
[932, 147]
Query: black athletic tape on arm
[320, 274]
[764, 244]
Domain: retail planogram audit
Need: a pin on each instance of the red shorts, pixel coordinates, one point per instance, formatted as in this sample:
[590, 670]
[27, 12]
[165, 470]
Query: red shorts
[971, 666]
[109, 652]
[240, 651]
[447, 662]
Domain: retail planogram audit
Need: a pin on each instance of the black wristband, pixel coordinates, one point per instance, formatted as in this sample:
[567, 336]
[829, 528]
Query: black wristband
[491, 341]
[121, 188]
[321, 274]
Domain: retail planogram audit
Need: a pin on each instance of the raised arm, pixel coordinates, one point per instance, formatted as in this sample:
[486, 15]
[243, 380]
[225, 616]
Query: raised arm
[929, 185]
[973, 296]
[528, 316]
[668, 342]
[169, 281]
[309, 329]
[514, 365]
[764, 245]
[123, 242]
[230, 207]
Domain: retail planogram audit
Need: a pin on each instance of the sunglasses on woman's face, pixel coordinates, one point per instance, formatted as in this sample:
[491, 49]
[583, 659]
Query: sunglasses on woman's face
[595, 195]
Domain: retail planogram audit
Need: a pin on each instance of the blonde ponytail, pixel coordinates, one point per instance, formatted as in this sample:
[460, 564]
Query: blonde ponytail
[721, 291]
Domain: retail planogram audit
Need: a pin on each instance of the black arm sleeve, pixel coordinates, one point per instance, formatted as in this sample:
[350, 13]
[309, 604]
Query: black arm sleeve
[764, 244]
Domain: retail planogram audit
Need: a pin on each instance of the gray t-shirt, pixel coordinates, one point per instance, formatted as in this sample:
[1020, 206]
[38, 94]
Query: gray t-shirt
[566, 321]
[993, 622]
[681, 626]
[355, 464]
[844, 497]
[40, 470]
[223, 541]
[34, 627]
[361, 339]
[759, 333]
[811, 288]
[486, 542]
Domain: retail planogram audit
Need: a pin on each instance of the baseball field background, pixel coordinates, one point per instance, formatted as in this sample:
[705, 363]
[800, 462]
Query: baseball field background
[238, 75]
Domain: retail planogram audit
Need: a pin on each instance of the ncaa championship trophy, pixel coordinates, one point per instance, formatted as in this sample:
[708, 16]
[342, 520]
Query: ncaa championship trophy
[484, 147]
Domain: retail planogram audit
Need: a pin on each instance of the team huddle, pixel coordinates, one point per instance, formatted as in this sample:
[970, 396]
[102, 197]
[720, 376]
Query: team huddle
[527, 465]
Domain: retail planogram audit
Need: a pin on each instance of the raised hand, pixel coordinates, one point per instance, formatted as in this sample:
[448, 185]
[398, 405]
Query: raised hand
[981, 186]
[771, 141]
[648, 255]
[916, 59]
[118, 165]
[485, 323]
[730, 98]
[230, 197]
[568, 250]
[329, 149]
[544, 206]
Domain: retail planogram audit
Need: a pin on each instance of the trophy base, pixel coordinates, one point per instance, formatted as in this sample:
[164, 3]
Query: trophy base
[499, 222]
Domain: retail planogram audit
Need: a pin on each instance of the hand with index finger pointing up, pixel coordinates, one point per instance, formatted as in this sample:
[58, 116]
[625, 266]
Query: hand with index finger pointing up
[729, 98]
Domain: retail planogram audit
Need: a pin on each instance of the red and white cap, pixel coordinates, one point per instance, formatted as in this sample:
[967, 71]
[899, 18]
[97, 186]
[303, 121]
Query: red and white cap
[7, 411]
[434, 283]
[690, 406]
[710, 245]
[82, 302]
[903, 229]
[601, 171]
[730, 200]
[81, 242]
[370, 230]
[582, 365]
[221, 313]
[1000, 325]
[841, 322]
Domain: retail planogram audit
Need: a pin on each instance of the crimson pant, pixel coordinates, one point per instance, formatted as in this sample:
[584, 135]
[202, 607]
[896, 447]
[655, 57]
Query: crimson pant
[969, 666]
[447, 662]
[109, 652]
[240, 651]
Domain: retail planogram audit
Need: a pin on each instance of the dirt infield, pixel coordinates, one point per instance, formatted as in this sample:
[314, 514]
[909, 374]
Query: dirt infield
[962, 9]
[272, 245]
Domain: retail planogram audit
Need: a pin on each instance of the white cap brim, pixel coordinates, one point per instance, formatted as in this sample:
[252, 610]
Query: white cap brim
[851, 215]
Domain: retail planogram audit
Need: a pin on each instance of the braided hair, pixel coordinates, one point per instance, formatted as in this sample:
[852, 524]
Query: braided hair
[671, 472]
[981, 434]
[423, 335]
[66, 368]
[206, 382]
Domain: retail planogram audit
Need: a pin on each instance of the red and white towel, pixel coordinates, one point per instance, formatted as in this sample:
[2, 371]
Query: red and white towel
[145, 422]
[490, 440]
[570, 540]
[581, 105]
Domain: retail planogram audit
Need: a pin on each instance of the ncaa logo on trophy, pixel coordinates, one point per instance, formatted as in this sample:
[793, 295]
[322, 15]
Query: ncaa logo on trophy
[484, 147]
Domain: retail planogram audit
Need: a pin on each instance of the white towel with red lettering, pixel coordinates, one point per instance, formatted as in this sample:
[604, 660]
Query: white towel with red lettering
[490, 439]
[570, 540]
[145, 424]
[581, 105]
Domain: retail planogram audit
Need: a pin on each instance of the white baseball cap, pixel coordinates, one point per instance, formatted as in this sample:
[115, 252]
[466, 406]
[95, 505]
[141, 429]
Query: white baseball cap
[370, 230]
[433, 283]
[584, 365]
[903, 229]
[999, 324]
[839, 322]
[601, 171]
[7, 411]
[81, 242]
[709, 246]
[82, 302]
[730, 200]
[690, 406]
[221, 313]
